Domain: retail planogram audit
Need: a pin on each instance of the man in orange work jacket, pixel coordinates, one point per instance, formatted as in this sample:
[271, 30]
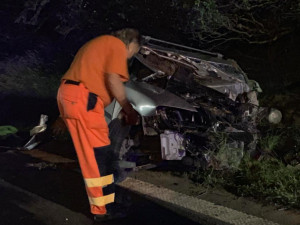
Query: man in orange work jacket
[94, 78]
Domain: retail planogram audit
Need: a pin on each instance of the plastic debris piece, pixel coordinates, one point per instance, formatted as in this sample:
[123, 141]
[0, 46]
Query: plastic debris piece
[41, 127]
[32, 143]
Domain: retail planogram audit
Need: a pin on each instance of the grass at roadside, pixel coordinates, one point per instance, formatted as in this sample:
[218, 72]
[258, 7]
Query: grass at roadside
[274, 177]
[269, 180]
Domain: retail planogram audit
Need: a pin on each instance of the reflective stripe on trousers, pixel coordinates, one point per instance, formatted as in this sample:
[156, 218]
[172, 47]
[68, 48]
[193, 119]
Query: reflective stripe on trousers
[83, 114]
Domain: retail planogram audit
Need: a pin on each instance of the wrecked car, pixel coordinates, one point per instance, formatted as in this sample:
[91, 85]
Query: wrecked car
[190, 101]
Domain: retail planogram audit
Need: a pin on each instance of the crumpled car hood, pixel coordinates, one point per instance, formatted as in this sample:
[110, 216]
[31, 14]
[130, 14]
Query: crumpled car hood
[222, 76]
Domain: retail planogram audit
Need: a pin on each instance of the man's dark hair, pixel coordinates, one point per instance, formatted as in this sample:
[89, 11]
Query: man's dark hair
[128, 35]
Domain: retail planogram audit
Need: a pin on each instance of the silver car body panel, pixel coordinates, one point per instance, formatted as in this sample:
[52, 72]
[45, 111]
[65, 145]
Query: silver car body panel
[146, 98]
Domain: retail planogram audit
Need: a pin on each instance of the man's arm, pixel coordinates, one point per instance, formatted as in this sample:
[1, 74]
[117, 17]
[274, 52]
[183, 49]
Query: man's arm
[117, 89]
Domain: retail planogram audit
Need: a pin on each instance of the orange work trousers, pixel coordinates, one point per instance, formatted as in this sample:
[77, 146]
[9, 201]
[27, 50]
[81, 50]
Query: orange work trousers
[83, 113]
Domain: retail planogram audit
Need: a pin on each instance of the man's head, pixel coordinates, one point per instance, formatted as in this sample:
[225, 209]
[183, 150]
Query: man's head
[131, 38]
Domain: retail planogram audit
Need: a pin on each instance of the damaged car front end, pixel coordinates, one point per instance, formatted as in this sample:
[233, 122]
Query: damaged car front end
[192, 101]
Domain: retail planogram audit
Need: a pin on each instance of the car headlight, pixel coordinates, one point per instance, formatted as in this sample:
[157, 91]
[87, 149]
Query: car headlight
[274, 116]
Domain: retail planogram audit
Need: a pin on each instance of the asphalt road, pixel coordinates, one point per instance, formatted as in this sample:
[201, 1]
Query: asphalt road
[55, 194]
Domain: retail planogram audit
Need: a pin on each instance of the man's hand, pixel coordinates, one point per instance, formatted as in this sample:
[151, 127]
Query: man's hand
[130, 115]
[59, 127]
[116, 88]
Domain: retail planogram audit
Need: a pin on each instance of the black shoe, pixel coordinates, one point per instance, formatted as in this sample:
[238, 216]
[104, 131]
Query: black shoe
[101, 218]
[123, 199]
[109, 217]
